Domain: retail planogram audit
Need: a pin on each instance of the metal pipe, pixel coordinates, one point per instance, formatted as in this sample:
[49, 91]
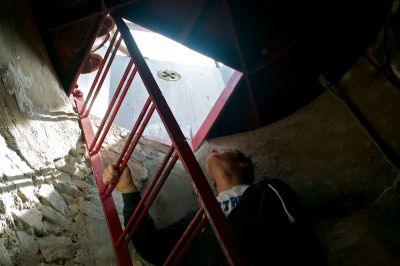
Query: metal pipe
[146, 194]
[151, 200]
[99, 73]
[103, 77]
[111, 105]
[110, 212]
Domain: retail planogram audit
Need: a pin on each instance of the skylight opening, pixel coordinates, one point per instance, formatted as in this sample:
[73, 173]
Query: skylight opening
[157, 47]
[190, 82]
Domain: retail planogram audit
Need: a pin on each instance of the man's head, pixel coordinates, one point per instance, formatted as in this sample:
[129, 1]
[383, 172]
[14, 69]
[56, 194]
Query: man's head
[229, 168]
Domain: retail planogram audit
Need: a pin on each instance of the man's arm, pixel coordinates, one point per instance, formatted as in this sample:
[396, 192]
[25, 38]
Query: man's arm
[152, 244]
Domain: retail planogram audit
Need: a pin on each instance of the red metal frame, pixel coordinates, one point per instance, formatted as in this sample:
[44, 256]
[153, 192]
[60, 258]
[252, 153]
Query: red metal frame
[110, 211]
[216, 110]
[210, 210]
[146, 194]
[152, 198]
[209, 203]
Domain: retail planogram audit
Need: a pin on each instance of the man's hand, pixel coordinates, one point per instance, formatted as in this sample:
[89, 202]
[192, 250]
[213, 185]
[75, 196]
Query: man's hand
[125, 183]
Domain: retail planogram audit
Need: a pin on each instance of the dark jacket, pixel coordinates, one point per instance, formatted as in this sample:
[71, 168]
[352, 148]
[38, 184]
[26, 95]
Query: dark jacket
[266, 233]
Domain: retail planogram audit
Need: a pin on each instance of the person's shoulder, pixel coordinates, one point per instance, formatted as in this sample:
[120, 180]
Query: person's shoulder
[263, 183]
[256, 187]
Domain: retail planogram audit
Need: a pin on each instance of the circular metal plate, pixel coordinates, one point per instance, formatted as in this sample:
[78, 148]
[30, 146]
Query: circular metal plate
[168, 75]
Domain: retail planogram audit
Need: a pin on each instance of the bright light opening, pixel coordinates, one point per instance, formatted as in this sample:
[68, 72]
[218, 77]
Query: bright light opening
[155, 46]
[190, 97]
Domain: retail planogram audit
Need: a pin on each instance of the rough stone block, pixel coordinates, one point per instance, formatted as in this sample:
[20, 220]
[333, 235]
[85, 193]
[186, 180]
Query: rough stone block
[68, 189]
[40, 179]
[62, 177]
[31, 218]
[67, 198]
[51, 197]
[5, 258]
[55, 248]
[81, 185]
[2, 207]
[54, 217]
[27, 193]
[67, 165]
[84, 168]
[73, 152]
[28, 249]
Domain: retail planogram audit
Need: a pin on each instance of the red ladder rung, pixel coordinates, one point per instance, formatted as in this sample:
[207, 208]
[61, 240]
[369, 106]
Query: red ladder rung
[95, 147]
[131, 135]
[137, 138]
[152, 198]
[146, 194]
[130, 150]
[99, 72]
[134, 129]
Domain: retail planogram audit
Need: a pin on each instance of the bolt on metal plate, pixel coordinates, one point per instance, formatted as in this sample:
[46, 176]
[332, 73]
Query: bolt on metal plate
[168, 75]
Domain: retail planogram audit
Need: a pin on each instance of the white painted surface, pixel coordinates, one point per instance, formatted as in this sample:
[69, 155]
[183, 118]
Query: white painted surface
[190, 98]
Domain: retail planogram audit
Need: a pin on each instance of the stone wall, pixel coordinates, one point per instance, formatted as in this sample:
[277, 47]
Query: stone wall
[49, 208]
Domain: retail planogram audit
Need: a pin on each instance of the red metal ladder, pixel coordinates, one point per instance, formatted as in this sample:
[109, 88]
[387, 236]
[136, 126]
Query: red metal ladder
[210, 210]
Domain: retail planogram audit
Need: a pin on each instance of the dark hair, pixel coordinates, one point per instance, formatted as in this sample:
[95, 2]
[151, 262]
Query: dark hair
[248, 171]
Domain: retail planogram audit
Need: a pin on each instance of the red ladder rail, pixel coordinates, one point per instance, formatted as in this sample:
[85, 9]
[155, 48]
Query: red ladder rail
[210, 210]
